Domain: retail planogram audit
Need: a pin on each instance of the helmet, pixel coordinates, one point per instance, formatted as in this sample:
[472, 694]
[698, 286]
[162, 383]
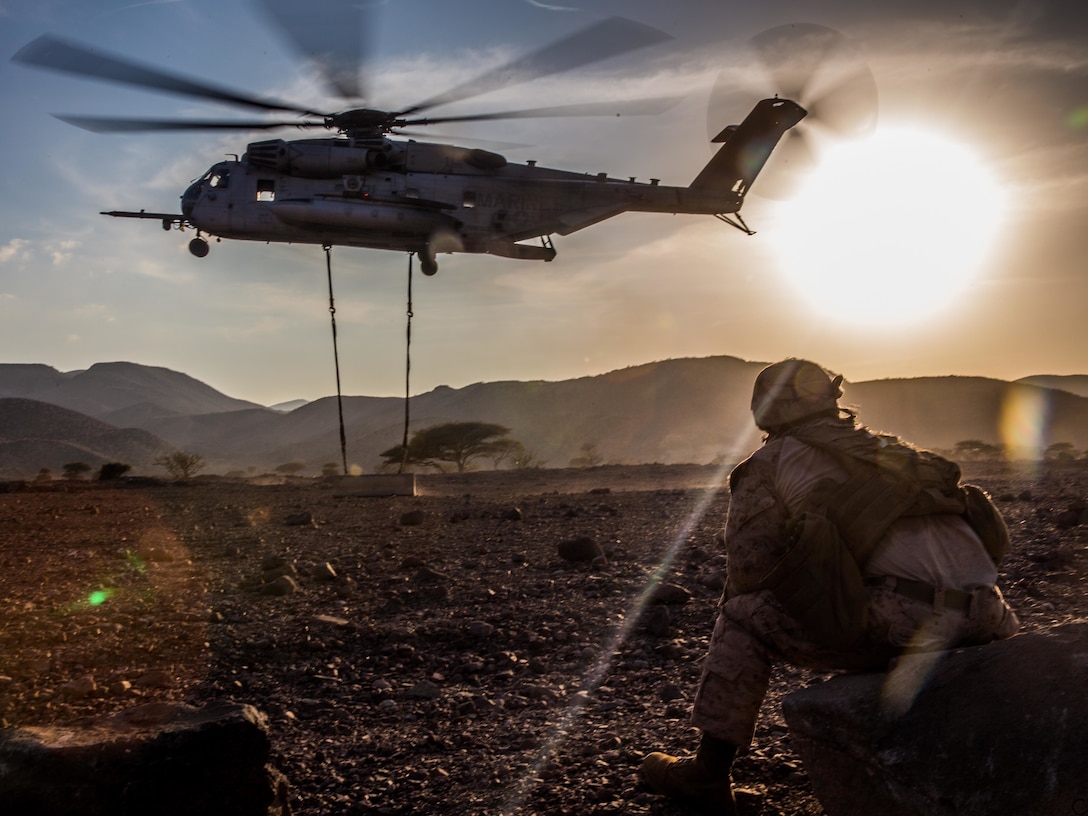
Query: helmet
[791, 390]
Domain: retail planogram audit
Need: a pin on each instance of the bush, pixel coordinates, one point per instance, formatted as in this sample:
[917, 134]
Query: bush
[75, 470]
[112, 470]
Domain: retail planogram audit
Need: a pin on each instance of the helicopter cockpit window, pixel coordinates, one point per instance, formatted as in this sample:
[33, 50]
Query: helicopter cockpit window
[219, 179]
[469, 200]
[266, 190]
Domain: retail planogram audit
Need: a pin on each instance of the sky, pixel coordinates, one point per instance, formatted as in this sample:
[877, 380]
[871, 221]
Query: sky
[951, 240]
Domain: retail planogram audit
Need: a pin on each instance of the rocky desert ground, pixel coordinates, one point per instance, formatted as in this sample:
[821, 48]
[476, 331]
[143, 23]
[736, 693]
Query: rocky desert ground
[436, 653]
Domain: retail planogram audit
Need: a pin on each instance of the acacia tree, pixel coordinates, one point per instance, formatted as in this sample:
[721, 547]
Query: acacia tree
[181, 465]
[456, 443]
[514, 454]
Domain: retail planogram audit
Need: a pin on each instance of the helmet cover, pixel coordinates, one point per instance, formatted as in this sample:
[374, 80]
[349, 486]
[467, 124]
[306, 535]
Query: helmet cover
[791, 390]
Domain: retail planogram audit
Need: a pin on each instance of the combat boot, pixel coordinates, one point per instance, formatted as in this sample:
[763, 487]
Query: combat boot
[702, 781]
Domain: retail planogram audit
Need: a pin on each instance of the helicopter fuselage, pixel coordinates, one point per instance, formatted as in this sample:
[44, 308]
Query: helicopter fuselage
[431, 198]
[457, 199]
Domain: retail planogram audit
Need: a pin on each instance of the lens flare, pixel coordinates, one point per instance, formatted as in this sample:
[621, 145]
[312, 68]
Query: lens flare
[1078, 119]
[1025, 415]
[605, 660]
[99, 597]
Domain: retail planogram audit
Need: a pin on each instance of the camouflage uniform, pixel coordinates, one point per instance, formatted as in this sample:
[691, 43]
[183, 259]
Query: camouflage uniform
[753, 631]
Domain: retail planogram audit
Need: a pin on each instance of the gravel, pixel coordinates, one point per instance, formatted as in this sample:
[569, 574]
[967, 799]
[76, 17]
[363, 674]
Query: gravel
[439, 653]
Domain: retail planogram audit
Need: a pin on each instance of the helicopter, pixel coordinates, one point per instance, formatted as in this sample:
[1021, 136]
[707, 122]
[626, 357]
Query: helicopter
[375, 185]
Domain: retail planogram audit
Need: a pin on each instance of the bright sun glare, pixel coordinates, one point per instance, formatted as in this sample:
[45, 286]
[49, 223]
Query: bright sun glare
[890, 229]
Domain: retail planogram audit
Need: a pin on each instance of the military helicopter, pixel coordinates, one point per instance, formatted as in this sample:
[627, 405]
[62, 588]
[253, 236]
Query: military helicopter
[364, 188]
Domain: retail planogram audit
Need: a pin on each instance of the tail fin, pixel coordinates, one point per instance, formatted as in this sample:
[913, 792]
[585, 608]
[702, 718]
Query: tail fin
[748, 146]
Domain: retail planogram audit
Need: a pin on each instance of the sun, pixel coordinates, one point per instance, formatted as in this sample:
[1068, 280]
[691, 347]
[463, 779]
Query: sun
[891, 229]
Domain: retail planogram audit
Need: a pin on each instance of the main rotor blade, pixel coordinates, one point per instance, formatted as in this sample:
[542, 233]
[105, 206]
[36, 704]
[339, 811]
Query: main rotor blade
[332, 34]
[633, 107]
[794, 54]
[109, 124]
[445, 137]
[608, 38]
[67, 57]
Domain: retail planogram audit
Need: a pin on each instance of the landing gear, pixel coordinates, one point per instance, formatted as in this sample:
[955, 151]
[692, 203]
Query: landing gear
[199, 247]
[427, 263]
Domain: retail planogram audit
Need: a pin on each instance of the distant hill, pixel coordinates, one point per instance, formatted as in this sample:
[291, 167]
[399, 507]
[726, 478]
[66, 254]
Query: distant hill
[673, 411]
[289, 406]
[118, 393]
[1073, 383]
[938, 412]
[36, 435]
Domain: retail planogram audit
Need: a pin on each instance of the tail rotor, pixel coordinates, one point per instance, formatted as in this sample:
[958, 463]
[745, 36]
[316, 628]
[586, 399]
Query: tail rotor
[822, 70]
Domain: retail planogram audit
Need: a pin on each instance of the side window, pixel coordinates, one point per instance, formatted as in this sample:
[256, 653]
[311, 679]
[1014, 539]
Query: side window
[220, 180]
[469, 200]
[266, 190]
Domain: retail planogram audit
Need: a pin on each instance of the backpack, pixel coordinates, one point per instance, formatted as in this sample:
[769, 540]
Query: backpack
[820, 580]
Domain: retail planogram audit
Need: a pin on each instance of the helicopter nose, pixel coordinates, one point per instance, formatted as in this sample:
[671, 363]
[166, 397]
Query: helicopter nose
[189, 198]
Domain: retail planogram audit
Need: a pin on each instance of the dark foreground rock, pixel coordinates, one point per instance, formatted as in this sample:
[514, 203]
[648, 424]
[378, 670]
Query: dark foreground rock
[156, 758]
[995, 729]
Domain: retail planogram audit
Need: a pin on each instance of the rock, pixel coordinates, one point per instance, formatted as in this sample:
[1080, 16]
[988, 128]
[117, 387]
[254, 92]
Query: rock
[580, 549]
[657, 621]
[300, 519]
[275, 566]
[332, 620]
[714, 581]
[158, 758]
[154, 679]
[671, 594]
[413, 518]
[79, 688]
[284, 585]
[994, 729]
[511, 514]
[480, 629]
[424, 690]
[667, 692]
[273, 562]
[428, 575]
[119, 687]
[324, 572]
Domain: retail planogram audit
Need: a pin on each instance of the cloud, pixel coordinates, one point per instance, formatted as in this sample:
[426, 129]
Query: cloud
[146, 3]
[159, 271]
[62, 252]
[14, 250]
[550, 7]
[94, 310]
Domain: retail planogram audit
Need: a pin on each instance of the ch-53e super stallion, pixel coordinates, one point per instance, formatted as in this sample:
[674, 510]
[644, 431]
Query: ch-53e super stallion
[364, 187]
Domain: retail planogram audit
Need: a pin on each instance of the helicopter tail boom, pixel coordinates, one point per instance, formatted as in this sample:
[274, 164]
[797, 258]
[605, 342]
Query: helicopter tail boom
[748, 146]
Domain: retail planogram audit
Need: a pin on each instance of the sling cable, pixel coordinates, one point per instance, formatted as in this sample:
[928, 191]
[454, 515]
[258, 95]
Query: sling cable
[336, 363]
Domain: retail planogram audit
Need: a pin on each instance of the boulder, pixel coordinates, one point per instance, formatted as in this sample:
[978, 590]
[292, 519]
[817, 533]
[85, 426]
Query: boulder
[580, 549]
[156, 758]
[994, 729]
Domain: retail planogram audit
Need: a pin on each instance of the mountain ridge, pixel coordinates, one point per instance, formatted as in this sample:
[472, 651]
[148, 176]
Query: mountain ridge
[685, 410]
[36, 435]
